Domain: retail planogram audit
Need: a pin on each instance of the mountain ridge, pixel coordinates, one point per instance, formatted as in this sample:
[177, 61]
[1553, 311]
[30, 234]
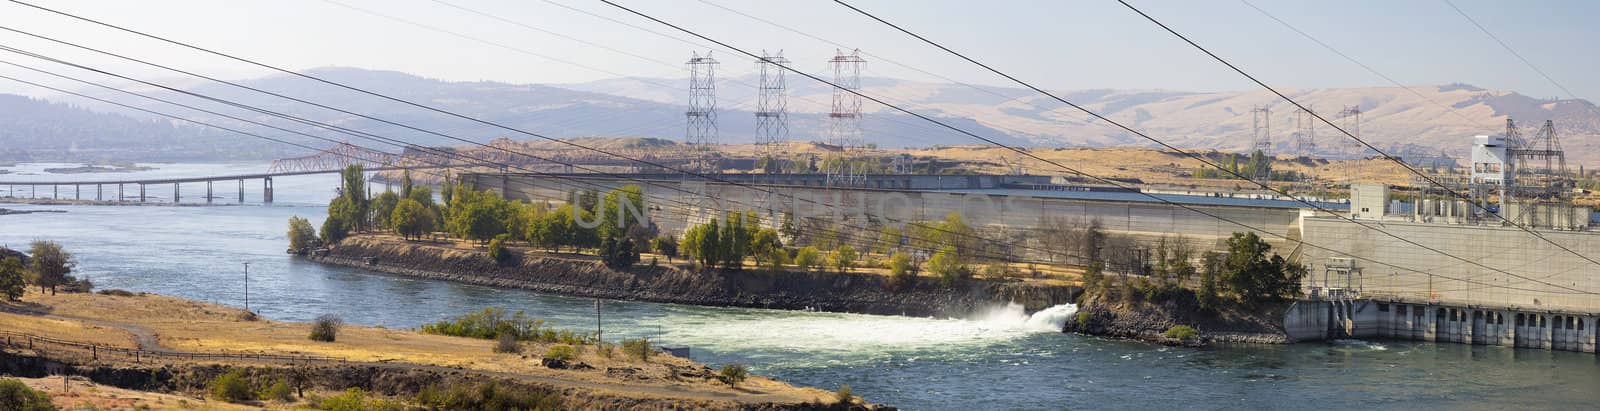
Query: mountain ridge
[1442, 120]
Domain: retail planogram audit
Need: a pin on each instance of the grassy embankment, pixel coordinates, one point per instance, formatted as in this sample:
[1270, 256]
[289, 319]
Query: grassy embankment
[183, 325]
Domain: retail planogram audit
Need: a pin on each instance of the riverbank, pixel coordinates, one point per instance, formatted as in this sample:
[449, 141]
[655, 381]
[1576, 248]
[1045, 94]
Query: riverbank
[1105, 314]
[585, 276]
[394, 363]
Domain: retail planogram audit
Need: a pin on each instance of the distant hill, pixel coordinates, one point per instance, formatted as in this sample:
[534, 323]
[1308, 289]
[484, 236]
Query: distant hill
[548, 110]
[1393, 118]
[39, 130]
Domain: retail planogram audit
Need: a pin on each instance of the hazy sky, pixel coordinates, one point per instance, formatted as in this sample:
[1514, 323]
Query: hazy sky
[1057, 44]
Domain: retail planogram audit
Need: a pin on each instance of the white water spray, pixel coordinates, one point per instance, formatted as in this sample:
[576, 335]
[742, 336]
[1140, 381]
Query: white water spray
[1013, 316]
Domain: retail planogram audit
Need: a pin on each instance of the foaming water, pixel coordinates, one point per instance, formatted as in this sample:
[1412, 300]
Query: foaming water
[1359, 344]
[815, 332]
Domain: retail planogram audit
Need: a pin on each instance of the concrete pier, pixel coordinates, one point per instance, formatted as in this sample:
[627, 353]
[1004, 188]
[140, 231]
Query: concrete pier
[1312, 320]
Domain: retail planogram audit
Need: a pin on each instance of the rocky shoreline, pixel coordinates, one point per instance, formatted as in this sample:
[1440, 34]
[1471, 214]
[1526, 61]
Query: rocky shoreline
[1149, 322]
[584, 276]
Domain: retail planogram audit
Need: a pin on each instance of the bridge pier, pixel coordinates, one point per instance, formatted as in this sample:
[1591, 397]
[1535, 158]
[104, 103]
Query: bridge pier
[99, 189]
[141, 192]
[120, 196]
[241, 191]
[55, 191]
[175, 194]
[208, 192]
[266, 190]
[77, 191]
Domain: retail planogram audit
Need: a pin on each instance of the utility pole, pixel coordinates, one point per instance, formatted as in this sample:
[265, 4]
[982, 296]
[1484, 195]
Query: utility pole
[247, 286]
[597, 335]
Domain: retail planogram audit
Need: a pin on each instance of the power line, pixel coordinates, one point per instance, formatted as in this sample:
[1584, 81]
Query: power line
[1028, 154]
[1353, 60]
[1391, 158]
[1202, 159]
[619, 156]
[1509, 49]
[862, 237]
[641, 181]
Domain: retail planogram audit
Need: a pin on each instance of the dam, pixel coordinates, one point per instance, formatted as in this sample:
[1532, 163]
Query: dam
[1469, 281]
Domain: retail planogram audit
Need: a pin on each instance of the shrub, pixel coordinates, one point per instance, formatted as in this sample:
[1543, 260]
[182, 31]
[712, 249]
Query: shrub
[844, 396]
[326, 328]
[116, 293]
[733, 374]
[301, 235]
[486, 396]
[561, 352]
[507, 344]
[844, 258]
[605, 350]
[902, 273]
[231, 386]
[638, 349]
[355, 399]
[497, 248]
[1182, 332]
[14, 395]
[807, 258]
[279, 391]
[1083, 318]
[948, 266]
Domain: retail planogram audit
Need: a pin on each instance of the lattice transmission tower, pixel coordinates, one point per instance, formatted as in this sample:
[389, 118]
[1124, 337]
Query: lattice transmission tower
[1261, 142]
[1350, 121]
[844, 122]
[1261, 129]
[772, 106]
[1306, 124]
[701, 131]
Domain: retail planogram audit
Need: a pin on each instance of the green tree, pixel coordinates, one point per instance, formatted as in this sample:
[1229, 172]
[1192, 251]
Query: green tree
[354, 191]
[1210, 267]
[12, 285]
[51, 265]
[383, 209]
[301, 234]
[666, 245]
[1255, 278]
[807, 258]
[411, 219]
[618, 252]
[947, 265]
[422, 195]
[334, 229]
[620, 210]
[844, 258]
[767, 249]
[406, 184]
[902, 272]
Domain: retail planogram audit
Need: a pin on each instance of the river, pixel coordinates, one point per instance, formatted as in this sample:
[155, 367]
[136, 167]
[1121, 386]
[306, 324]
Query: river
[991, 360]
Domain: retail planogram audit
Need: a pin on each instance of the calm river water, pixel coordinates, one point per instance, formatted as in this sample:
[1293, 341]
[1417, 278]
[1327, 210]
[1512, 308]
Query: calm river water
[991, 360]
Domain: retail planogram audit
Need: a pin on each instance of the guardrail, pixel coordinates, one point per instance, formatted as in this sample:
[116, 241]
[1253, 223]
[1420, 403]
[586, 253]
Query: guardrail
[30, 341]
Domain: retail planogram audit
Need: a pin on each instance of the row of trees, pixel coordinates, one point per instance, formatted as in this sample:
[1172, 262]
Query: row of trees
[48, 266]
[612, 222]
[1246, 275]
